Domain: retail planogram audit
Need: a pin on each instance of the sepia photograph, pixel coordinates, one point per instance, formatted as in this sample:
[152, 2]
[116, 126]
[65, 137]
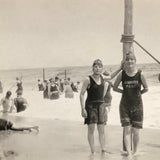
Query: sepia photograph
[79, 79]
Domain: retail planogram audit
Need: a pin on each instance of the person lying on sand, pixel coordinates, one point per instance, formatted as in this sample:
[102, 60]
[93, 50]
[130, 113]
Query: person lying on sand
[7, 125]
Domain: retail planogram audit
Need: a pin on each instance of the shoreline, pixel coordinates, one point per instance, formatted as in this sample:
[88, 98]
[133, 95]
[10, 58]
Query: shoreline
[67, 140]
[69, 109]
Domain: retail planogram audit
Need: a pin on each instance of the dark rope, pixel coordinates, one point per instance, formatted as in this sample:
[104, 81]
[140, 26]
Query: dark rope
[129, 38]
[146, 51]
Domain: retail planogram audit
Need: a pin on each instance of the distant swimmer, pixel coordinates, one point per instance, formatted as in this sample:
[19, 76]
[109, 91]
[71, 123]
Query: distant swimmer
[7, 125]
[40, 85]
[68, 90]
[61, 86]
[19, 85]
[7, 103]
[53, 90]
[1, 87]
[20, 102]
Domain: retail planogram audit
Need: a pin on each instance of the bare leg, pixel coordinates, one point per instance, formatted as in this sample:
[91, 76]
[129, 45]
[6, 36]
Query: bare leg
[127, 139]
[2, 157]
[25, 128]
[91, 128]
[135, 140]
[101, 131]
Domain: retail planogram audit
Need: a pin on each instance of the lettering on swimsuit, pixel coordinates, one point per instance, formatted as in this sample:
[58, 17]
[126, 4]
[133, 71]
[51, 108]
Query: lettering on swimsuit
[131, 84]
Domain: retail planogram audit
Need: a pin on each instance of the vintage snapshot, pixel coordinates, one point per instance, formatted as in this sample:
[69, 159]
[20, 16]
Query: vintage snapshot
[79, 80]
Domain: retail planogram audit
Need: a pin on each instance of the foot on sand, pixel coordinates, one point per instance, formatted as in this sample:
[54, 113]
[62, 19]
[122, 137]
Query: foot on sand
[2, 157]
[127, 155]
[10, 153]
[138, 153]
[105, 151]
[35, 128]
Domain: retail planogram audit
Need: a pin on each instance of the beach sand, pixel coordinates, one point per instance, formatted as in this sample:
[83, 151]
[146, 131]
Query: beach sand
[67, 140]
[63, 136]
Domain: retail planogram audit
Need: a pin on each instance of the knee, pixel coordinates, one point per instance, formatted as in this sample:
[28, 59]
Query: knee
[135, 132]
[101, 130]
[127, 130]
[90, 130]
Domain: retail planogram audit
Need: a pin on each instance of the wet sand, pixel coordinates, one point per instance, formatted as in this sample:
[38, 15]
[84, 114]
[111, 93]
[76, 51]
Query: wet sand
[67, 140]
[63, 136]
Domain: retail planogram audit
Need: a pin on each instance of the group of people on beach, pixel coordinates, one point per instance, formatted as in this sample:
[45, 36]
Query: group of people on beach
[130, 82]
[16, 104]
[94, 109]
[54, 87]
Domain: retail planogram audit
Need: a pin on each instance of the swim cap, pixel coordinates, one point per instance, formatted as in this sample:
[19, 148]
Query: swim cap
[97, 62]
[130, 55]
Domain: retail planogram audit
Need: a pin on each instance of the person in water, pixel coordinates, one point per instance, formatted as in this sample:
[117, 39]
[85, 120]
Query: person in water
[20, 103]
[93, 109]
[53, 90]
[7, 103]
[131, 105]
[40, 85]
[1, 87]
[19, 84]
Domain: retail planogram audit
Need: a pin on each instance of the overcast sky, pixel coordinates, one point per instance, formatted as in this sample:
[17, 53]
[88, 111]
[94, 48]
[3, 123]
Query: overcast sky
[50, 33]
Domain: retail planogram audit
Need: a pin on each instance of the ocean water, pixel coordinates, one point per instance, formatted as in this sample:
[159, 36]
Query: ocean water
[30, 76]
[62, 133]
[69, 109]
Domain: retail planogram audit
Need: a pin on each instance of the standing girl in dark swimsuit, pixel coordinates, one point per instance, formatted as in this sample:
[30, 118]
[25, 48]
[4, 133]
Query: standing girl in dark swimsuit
[131, 106]
[93, 109]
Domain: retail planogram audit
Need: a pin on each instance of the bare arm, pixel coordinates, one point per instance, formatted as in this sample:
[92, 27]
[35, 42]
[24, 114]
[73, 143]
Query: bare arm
[105, 88]
[1, 101]
[144, 84]
[83, 90]
[110, 77]
[116, 84]
[115, 73]
[25, 128]
[49, 86]
[12, 105]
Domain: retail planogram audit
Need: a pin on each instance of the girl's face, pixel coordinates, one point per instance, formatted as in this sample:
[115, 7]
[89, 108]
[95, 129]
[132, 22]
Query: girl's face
[130, 61]
[97, 69]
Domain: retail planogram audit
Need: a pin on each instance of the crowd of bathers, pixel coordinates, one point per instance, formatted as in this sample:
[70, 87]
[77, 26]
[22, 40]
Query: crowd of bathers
[55, 87]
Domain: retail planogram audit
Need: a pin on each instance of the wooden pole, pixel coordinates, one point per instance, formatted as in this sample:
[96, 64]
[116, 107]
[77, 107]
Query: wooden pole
[43, 74]
[65, 74]
[127, 38]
